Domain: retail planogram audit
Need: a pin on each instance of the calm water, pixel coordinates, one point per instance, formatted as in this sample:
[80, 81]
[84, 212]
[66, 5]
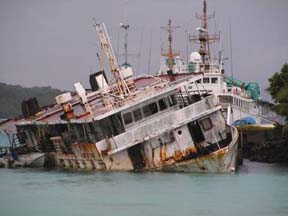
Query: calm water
[258, 189]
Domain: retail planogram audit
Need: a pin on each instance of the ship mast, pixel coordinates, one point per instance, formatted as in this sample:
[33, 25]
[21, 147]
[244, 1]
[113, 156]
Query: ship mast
[126, 28]
[204, 38]
[169, 28]
[107, 47]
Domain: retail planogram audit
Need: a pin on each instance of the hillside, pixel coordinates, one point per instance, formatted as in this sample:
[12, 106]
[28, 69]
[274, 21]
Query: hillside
[11, 97]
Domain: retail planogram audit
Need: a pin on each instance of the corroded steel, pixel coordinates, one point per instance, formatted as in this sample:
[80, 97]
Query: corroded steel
[83, 155]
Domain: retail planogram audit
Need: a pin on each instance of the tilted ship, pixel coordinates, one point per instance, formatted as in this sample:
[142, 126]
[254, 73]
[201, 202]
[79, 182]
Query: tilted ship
[136, 123]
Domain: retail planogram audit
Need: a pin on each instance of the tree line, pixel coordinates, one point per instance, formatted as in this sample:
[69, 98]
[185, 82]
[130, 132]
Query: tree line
[11, 97]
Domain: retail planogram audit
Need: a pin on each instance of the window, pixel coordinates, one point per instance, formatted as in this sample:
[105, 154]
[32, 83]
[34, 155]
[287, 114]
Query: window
[207, 66]
[214, 80]
[137, 114]
[163, 104]
[206, 124]
[206, 80]
[198, 81]
[127, 117]
[109, 126]
[150, 109]
[172, 100]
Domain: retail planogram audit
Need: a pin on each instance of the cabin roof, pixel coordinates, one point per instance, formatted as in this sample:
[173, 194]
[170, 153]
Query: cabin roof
[148, 87]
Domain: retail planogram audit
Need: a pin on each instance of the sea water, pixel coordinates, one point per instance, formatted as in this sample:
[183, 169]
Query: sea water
[257, 189]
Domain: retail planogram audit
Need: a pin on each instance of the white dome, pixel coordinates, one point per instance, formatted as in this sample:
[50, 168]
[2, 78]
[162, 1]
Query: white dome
[195, 57]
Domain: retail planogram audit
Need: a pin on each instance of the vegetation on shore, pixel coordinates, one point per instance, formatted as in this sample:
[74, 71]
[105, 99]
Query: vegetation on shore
[279, 91]
[265, 144]
[11, 97]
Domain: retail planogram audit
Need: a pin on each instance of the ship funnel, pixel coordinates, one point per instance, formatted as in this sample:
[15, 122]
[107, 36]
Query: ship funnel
[98, 81]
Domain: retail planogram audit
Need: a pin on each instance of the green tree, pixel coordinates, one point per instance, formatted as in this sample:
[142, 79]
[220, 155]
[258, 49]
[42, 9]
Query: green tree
[278, 89]
[11, 97]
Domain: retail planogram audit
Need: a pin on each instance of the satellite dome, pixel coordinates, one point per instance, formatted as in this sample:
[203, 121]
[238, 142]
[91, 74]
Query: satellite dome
[195, 57]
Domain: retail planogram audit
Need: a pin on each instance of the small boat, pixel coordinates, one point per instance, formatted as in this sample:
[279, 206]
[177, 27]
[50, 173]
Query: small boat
[31, 160]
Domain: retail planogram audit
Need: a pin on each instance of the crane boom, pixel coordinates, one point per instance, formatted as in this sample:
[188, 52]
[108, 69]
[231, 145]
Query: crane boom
[107, 47]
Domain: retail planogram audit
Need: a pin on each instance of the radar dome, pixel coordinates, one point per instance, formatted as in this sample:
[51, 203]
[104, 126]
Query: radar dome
[195, 57]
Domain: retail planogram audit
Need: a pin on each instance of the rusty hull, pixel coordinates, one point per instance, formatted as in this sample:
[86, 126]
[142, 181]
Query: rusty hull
[168, 157]
[81, 156]
[163, 143]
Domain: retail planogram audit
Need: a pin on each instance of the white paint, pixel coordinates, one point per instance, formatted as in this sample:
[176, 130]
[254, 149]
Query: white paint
[63, 98]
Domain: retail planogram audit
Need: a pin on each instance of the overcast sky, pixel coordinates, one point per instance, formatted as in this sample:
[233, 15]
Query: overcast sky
[54, 42]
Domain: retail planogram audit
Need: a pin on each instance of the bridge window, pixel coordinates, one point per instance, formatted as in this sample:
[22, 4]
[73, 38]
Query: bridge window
[150, 109]
[172, 100]
[163, 104]
[137, 114]
[214, 80]
[109, 126]
[206, 80]
[127, 117]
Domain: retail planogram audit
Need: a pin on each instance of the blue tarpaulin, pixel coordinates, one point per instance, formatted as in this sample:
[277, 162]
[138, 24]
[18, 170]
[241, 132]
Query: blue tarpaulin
[244, 121]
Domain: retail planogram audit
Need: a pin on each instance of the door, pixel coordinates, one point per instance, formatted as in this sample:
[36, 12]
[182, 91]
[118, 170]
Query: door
[136, 157]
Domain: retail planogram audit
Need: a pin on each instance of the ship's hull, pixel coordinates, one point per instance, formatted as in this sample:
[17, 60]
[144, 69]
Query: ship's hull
[165, 131]
[35, 159]
[176, 149]
[221, 161]
[32, 159]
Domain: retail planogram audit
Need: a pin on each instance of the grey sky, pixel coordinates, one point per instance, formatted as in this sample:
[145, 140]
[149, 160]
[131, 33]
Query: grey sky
[54, 43]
